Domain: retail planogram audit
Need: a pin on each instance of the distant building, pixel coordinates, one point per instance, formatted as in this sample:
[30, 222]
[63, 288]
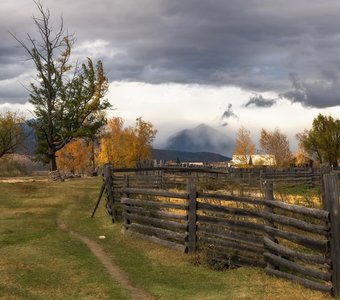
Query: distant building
[192, 164]
[220, 164]
[171, 163]
[256, 160]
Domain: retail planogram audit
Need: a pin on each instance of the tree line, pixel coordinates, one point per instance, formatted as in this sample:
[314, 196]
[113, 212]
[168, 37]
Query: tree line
[318, 145]
[273, 143]
[122, 146]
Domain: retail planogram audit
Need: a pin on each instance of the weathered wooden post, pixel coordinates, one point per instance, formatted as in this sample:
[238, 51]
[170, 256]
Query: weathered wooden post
[126, 220]
[332, 205]
[324, 169]
[269, 195]
[102, 189]
[161, 179]
[192, 210]
[110, 202]
[311, 172]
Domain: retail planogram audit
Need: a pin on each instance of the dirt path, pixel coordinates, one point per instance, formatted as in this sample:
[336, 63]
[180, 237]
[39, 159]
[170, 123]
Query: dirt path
[21, 179]
[115, 272]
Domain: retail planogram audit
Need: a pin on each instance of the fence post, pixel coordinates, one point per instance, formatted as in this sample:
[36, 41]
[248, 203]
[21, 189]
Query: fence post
[162, 179]
[311, 176]
[192, 210]
[269, 195]
[102, 189]
[110, 202]
[126, 221]
[332, 205]
[324, 169]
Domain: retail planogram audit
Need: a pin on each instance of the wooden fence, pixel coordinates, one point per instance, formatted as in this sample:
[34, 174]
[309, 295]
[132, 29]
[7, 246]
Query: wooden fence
[290, 241]
[166, 178]
[307, 175]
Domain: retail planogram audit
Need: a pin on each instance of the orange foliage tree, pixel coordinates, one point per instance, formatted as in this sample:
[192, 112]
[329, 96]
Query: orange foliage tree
[301, 156]
[75, 157]
[276, 143]
[244, 147]
[126, 146]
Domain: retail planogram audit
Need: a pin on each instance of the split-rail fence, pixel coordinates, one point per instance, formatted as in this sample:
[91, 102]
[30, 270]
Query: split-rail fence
[298, 243]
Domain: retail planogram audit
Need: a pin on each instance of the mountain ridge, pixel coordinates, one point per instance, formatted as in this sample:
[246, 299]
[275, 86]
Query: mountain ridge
[185, 156]
[202, 138]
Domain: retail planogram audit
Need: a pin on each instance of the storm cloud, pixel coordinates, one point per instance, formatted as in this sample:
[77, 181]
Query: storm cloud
[253, 45]
[324, 92]
[227, 114]
[259, 101]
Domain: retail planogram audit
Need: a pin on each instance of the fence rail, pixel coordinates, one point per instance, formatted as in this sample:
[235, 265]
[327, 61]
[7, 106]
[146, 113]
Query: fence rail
[163, 222]
[290, 241]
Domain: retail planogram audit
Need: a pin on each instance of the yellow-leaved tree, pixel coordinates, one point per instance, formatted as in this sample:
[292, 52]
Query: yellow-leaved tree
[244, 147]
[276, 143]
[126, 146]
[75, 157]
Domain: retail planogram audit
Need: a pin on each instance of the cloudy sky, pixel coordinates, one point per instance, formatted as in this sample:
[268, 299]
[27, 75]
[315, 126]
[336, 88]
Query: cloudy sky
[180, 63]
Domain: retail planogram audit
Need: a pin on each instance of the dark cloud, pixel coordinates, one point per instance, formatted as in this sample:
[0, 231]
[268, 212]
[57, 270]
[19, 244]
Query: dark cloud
[228, 114]
[324, 92]
[249, 44]
[259, 101]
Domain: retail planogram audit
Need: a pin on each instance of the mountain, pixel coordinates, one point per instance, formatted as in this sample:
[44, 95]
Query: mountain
[202, 138]
[183, 156]
[29, 141]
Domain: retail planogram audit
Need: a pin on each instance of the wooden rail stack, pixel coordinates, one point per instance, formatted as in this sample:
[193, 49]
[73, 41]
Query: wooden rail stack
[290, 241]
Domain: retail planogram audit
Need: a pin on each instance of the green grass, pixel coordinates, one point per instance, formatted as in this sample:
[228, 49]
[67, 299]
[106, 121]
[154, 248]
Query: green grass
[299, 189]
[39, 261]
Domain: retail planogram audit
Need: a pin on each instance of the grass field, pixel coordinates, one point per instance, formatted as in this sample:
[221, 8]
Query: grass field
[40, 261]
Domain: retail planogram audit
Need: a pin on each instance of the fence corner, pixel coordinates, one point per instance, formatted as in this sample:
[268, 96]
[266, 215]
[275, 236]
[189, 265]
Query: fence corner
[331, 198]
[110, 201]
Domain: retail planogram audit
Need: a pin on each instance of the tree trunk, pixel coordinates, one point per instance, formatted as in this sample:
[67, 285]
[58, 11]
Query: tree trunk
[52, 161]
[94, 173]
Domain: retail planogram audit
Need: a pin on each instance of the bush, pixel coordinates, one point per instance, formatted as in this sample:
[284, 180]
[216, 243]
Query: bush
[11, 165]
[214, 260]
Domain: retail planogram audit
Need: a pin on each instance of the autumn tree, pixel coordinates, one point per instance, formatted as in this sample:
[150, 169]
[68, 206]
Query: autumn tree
[322, 141]
[75, 157]
[11, 132]
[68, 100]
[111, 143]
[244, 147]
[277, 144]
[144, 134]
[126, 146]
[301, 156]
